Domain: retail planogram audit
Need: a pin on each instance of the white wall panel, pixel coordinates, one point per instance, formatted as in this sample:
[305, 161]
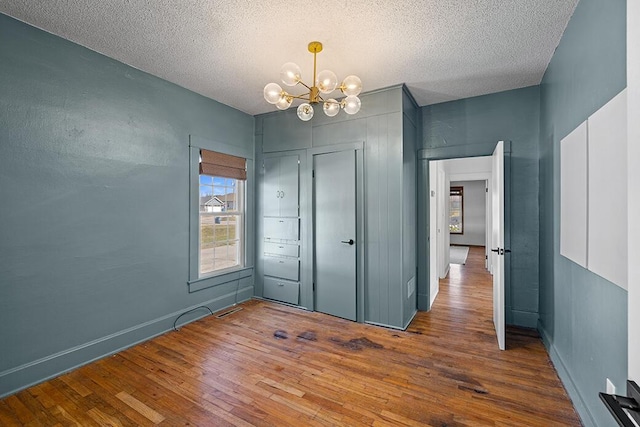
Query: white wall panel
[607, 198]
[573, 195]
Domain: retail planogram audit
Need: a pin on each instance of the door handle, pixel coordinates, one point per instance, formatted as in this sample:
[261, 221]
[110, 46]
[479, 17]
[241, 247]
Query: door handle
[348, 242]
[501, 251]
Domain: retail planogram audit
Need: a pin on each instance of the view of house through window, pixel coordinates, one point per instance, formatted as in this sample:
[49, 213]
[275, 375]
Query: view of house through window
[221, 218]
[455, 210]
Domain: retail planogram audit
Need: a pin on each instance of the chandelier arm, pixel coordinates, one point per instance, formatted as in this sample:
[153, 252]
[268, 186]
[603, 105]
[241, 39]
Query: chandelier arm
[303, 84]
[303, 96]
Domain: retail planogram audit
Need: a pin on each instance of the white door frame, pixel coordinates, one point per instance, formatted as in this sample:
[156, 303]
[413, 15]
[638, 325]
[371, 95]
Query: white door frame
[633, 177]
[498, 243]
[437, 247]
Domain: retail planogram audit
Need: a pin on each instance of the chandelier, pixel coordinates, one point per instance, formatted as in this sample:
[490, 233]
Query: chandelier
[325, 82]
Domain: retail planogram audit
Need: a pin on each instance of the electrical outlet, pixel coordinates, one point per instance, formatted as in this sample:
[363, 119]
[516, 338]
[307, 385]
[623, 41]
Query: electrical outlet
[611, 389]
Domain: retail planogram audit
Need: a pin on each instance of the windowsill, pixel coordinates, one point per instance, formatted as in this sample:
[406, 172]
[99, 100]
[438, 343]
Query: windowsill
[220, 272]
[220, 278]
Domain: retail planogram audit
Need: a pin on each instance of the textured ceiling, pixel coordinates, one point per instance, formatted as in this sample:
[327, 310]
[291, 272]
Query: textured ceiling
[229, 49]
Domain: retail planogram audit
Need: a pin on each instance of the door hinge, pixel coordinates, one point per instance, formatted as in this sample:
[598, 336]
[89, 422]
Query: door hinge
[313, 174]
[486, 190]
[313, 287]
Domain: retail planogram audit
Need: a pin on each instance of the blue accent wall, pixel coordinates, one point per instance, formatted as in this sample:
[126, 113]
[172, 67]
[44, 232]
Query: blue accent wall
[94, 203]
[513, 115]
[583, 318]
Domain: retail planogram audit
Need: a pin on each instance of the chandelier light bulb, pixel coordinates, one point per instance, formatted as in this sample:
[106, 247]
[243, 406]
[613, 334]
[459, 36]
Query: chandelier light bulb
[290, 74]
[351, 85]
[284, 102]
[326, 81]
[331, 107]
[305, 112]
[272, 93]
[351, 104]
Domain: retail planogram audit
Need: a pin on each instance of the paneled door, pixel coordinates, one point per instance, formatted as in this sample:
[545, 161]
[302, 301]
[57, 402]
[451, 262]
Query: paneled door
[334, 212]
[497, 246]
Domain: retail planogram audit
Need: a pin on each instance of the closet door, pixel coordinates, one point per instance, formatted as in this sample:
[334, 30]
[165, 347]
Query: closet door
[271, 194]
[334, 214]
[288, 186]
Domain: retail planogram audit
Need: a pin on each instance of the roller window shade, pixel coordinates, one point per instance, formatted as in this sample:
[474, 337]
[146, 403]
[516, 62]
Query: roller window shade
[224, 165]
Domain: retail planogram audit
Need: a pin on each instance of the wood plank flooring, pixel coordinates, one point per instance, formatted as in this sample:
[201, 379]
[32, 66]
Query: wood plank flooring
[272, 365]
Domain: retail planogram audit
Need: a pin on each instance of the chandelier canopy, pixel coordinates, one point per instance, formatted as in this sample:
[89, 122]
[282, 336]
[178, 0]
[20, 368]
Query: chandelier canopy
[324, 82]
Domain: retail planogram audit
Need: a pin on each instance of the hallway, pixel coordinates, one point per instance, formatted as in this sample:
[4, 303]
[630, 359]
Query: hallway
[468, 287]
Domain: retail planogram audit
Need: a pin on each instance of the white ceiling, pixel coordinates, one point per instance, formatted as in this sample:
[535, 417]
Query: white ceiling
[229, 49]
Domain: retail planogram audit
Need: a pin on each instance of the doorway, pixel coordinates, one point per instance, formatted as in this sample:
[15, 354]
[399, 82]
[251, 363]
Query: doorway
[473, 175]
[435, 233]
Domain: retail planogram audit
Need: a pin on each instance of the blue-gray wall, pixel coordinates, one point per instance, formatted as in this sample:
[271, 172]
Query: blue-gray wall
[94, 203]
[460, 126]
[583, 317]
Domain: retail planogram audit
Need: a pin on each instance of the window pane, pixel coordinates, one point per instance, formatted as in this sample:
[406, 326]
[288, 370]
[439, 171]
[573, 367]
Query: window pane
[206, 179]
[222, 232]
[221, 221]
[226, 256]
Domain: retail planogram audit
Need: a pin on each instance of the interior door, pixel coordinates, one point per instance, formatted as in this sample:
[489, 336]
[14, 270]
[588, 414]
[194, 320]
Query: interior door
[334, 211]
[497, 245]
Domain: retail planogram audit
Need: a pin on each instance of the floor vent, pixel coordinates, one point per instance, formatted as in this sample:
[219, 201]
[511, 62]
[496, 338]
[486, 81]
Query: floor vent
[227, 313]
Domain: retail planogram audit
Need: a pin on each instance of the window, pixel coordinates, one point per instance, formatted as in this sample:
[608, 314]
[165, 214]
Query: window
[221, 215]
[455, 210]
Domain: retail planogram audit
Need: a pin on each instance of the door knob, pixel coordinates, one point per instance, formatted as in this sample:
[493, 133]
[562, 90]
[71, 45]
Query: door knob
[501, 251]
[348, 242]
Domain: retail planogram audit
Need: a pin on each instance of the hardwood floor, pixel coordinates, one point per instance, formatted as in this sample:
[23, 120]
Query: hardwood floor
[269, 364]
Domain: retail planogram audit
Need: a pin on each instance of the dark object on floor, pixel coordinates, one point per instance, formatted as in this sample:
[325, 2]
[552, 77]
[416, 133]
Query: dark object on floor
[280, 334]
[308, 335]
[356, 343]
